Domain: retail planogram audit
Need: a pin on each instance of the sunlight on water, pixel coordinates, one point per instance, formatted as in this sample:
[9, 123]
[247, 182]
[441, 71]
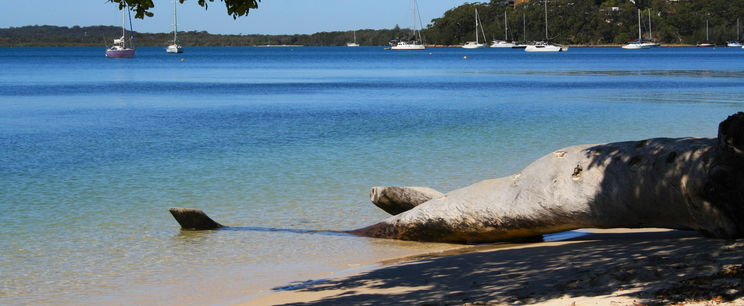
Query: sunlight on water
[94, 152]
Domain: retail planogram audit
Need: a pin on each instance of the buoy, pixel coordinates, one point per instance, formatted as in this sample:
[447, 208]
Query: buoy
[182, 60]
[465, 57]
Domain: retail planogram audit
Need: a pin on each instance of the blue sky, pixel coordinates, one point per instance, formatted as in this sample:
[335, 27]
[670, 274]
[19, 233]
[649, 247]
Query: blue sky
[272, 17]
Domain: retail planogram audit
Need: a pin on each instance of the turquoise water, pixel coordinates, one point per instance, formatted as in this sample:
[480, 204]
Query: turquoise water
[94, 150]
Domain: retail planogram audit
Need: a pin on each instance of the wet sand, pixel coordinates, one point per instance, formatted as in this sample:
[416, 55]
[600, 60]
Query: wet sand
[605, 267]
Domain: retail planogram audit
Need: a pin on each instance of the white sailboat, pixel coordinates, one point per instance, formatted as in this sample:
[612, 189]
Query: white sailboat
[735, 42]
[650, 41]
[635, 45]
[476, 44]
[175, 47]
[707, 37]
[353, 44]
[418, 42]
[545, 46]
[503, 43]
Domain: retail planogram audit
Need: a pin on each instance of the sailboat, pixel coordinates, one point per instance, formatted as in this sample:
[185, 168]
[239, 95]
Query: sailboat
[120, 48]
[503, 43]
[735, 42]
[175, 47]
[523, 44]
[707, 38]
[417, 42]
[546, 46]
[635, 45]
[650, 41]
[476, 44]
[353, 44]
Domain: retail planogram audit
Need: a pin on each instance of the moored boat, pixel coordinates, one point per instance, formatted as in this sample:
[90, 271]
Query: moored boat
[123, 47]
[175, 47]
[639, 44]
[406, 45]
[353, 44]
[476, 44]
[736, 43]
[707, 42]
[545, 46]
[504, 43]
[417, 42]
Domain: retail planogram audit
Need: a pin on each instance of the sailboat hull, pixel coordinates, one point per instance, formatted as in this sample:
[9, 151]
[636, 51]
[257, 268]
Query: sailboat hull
[473, 45]
[408, 47]
[545, 48]
[126, 53]
[502, 44]
[174, 49]
[636, 46]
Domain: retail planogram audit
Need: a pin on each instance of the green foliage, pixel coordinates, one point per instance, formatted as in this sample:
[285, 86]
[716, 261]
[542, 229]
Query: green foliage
[235, 8]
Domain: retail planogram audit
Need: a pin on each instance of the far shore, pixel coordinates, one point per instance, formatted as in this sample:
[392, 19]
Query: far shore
[579, 46]
[381, 46]
[605, 267]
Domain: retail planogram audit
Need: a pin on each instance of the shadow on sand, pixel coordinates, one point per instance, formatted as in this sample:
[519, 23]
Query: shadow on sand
[662, 266]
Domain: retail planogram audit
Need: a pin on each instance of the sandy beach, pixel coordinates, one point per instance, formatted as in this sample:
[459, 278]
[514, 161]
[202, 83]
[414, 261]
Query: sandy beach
[604, 267]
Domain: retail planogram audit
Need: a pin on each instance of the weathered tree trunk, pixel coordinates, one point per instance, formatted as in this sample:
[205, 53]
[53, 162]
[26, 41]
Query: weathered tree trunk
[690, 183]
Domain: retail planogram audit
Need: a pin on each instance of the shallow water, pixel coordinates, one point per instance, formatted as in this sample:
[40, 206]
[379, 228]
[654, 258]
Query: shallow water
[93, 151]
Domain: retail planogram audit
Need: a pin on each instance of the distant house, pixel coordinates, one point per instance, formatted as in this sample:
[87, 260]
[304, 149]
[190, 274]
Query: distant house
[506, 2]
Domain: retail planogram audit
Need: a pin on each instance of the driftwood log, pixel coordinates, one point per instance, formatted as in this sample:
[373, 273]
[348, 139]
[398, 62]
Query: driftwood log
[194, 219]
[395, 200]
[681, 183]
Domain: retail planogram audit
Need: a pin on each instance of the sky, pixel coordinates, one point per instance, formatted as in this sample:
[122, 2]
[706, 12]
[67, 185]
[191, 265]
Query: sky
[272, 16]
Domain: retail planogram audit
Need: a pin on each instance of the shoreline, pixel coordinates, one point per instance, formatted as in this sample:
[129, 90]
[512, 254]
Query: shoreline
[618, 266]
[381, 46]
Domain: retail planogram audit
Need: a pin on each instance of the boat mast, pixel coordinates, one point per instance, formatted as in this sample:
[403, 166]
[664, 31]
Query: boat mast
[506, 28]
[483, 33]
[416, 17]
[123, 30]
[639, 26]
[476, 25]
[650, 34]
[546, 21]
[131, 29]
[524, 27]
[175, 23]
[738, 30]
[706, 31]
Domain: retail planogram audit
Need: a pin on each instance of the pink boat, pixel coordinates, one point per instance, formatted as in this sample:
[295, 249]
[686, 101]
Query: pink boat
[120, 48]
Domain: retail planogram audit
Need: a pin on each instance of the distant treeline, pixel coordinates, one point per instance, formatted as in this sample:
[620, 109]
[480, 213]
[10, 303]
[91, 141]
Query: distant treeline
[589, 22]
[100, 35]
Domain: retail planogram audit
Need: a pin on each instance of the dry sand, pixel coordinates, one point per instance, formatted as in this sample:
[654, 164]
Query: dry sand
[605, 267]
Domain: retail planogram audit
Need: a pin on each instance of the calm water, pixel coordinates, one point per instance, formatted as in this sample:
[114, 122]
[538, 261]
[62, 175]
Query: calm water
[93, 151]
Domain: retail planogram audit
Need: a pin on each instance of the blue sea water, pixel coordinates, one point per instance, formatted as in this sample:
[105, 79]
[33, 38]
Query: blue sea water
[94, 150]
